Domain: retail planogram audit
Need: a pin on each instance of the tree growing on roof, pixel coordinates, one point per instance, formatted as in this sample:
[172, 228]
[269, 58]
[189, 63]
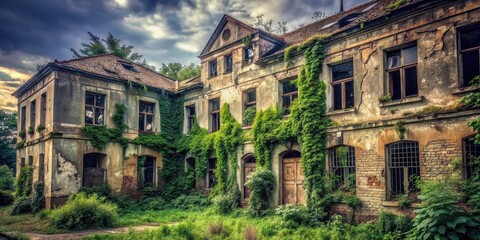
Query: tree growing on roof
[178, 71]
[266, 25]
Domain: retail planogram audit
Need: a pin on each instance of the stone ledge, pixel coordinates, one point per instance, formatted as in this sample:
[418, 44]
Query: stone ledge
[395, 204]
[465, 90]
[407, 100]
[342, 111]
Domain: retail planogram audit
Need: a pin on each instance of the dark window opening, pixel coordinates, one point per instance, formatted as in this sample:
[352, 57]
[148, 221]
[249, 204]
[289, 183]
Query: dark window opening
[22, 162]
[41, 167]
[250, 107]
[128, 66]
[291, 154]
[248, 54]
[403, 168]
[190, 118]
[43, 109]
[212, 66]
[23, 118]
[94, 108]
[469, 54]
[342, 166]
[149, 171]
[33, 111]
[471, 152]
[342, 82]
[94, 169]
[402, 73]
[212, 165]
[30, 160]
[146, 114]
[191, 172]
[215, 114]
[228, 63]
[289, 94]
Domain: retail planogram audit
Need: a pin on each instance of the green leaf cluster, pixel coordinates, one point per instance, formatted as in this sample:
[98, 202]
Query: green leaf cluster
[23, 184]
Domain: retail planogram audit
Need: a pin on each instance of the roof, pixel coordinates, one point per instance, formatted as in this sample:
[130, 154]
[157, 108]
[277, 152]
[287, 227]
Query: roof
[189, 83]
[107, 66]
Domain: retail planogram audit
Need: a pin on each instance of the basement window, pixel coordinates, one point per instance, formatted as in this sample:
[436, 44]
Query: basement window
[469, 54]
[214, 115]
[212, 66]
[471, 151]
[342, 166]
[403, 166]
[212, 165]
[94, 108]
[289, 93]
[402, 73]
[342, 83]
[145, 116]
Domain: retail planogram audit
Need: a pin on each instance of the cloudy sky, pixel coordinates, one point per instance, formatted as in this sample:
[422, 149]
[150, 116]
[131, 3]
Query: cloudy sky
[33, 32]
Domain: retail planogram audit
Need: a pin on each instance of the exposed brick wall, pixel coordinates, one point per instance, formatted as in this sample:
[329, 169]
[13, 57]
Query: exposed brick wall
[435, 157]
[370, 180]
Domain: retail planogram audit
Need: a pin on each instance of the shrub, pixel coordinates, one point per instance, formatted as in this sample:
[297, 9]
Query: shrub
[292, 216]
[102, 190]
[38, 201]
[6, 198]
[6, 178]
[225, 203]
[152, 203]
[404, 202]
[392, 224]
[217, 229]
[352, 201]
[82, 211]
[250, 233]
[22, 205]
[440, 216]
[261, 184]
[194, 201]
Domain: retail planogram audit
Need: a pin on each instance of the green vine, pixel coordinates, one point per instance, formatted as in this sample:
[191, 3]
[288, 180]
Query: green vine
[23, 185]
[99, 136]
[249, 115]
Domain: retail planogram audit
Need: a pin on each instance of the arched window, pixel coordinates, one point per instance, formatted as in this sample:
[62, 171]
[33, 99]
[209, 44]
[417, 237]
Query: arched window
[249, 166]
[342, 166]
[471, 151]
[403, 166]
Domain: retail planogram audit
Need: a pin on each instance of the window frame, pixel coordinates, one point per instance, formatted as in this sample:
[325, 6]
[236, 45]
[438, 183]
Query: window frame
[33, 113]
[390, 196]
[211, 172]
[43, 108]
[401, 70]
[461, 80]
[190, 118]
[247, 103]
[210, 73]
[94, 106]
[23, 119]
[145, 114]
[291, 95]
[225, 62]
[342, 83]
[214, 114]
[248, 61]
[466, 171]
[345, 170]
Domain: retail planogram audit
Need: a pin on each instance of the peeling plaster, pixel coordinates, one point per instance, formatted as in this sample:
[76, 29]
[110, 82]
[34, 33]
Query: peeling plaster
[67, 180]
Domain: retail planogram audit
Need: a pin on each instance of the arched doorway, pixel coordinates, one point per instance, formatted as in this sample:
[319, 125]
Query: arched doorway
[292, 178]
[191, 172]
[249, 166]
[146, 171]
[94, 169]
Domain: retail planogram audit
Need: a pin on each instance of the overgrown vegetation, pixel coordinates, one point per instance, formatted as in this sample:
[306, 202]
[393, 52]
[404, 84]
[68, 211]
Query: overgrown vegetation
[261, 184]
[396, 5]
[23, 184]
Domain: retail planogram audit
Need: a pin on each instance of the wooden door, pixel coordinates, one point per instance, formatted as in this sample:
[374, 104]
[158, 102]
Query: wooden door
[248, 169]
[293, 192]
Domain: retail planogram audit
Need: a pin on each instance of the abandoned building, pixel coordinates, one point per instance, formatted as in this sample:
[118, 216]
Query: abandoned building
[386, 63]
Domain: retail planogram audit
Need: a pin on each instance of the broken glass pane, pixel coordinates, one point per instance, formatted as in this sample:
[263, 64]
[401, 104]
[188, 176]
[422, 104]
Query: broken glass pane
[349, 97]
[100, 100]
[342, 71]
[470, 37]
[393, 60]
[89, 115]
[99, 116]
[395, 85]
[410, 55]
[471, 66]
[149, 124]
[411, 83]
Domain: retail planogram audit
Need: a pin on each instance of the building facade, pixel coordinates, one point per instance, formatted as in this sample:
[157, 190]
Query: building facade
[394, 76]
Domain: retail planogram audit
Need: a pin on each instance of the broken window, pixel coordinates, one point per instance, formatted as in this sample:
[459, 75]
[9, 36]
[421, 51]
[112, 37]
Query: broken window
[190, 117]
[248, 55]
[94, 108]
[94, 172]
[403, 168]
[30, 160]
[228, 63]
[33, 111]
[342, 82]
[145, 116]
[212, 66]
[471, 151]
[250, 107]
[469, 54]
[215, 115]
[23, 118]
[149, 171]
[289, 93]
[402, 73]
[342, 166]
[43, 108]
[212, 165]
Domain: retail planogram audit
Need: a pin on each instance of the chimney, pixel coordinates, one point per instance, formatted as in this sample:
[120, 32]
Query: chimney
[341, 5]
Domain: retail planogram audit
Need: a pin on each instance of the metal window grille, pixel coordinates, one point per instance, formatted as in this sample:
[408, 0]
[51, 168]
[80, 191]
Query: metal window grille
[342, 164]
[470, 152]
[403, 165]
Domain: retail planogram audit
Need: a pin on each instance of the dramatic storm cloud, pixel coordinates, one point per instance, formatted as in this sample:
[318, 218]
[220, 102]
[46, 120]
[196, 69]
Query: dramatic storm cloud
[37, 31]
